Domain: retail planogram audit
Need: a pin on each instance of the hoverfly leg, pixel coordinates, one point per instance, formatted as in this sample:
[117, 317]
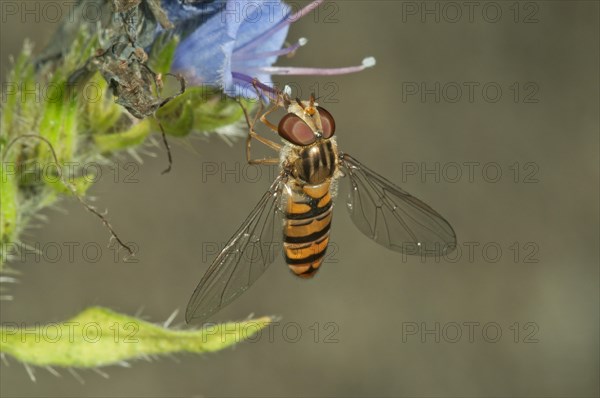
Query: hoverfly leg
[273, 145]
[252, 134]
[277, 101]
[261, 108]
[262, 89]
[263, 162]
[266, 121]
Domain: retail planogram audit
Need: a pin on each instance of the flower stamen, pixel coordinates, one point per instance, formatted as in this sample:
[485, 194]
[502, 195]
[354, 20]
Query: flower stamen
[290, 70]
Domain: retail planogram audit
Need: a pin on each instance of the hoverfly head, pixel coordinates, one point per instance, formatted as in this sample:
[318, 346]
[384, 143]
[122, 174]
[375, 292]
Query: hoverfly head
[306, 122]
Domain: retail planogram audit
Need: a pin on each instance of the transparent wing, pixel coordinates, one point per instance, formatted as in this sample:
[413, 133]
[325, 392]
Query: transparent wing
[392, 217]
[245, 257]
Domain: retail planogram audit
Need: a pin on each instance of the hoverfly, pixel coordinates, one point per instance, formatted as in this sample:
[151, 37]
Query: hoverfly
[295, 213]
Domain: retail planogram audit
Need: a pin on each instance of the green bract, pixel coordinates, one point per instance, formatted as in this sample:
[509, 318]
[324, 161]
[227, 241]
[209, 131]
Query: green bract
[101, 337]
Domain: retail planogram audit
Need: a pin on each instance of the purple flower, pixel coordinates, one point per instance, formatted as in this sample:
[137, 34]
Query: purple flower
[238, 41]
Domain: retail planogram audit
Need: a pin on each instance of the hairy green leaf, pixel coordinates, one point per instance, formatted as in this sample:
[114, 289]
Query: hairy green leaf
[100, 337]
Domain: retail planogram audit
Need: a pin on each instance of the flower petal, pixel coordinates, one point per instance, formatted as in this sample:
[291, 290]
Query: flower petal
[204, 57]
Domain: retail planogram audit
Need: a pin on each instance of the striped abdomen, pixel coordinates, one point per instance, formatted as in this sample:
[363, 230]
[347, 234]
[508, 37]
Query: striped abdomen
[306, 227]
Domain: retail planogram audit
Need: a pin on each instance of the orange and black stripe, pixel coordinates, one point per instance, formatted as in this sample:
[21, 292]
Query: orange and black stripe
[306, 229]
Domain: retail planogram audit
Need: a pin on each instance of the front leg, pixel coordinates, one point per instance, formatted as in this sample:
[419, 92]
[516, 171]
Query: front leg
[277, 101]
[267, 142]
[252, 134]
[266, 121]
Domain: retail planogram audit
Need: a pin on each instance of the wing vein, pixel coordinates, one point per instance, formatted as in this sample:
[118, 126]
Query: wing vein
[378, 208]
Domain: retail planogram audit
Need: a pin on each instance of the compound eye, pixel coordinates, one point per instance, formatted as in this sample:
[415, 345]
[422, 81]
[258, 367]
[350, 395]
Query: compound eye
[327, 121]
[293, 129]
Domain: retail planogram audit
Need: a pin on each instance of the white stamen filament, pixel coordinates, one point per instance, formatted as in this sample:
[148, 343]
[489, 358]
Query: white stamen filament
[288, 70]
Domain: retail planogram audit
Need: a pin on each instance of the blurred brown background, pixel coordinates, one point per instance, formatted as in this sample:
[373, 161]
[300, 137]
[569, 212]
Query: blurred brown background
[541, 132]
